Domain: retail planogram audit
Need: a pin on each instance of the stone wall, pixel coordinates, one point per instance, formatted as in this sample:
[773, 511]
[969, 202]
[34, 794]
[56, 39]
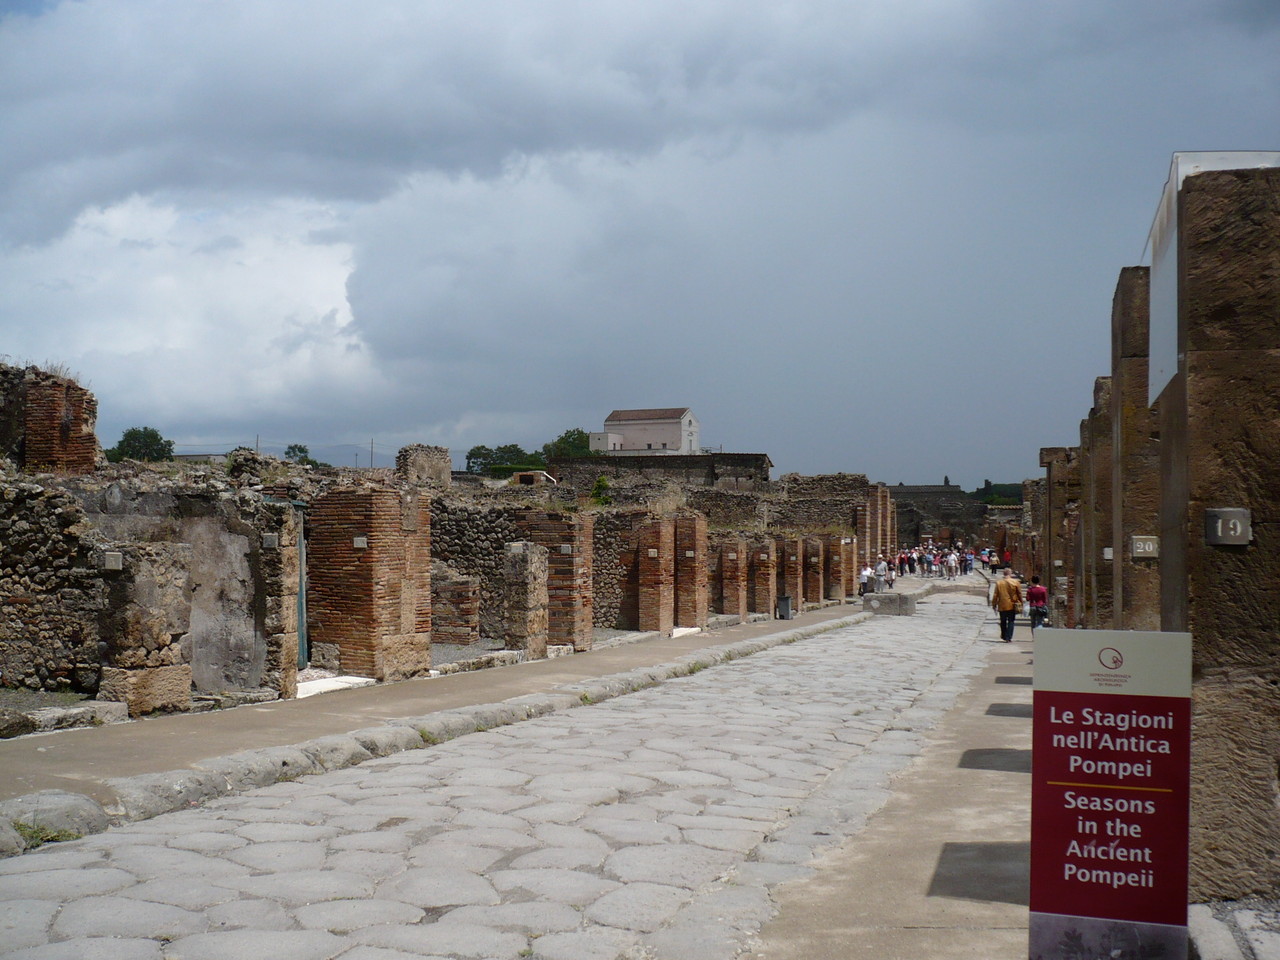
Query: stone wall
[725, 471]
[51, 592]
[614, 571]
[472, 537]
[525, 599]
[419, 463]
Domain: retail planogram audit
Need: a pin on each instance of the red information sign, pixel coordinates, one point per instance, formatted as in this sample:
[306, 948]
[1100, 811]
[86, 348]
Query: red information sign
[1111, 748]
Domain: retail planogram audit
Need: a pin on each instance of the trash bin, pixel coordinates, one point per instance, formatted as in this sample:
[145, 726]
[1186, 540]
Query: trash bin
[784, 608]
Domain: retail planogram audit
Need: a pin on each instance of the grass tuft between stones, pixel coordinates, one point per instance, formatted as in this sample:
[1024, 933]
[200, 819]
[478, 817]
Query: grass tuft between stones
[36, 836]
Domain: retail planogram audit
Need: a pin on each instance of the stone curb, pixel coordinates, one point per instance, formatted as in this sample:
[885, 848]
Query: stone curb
[50, 815]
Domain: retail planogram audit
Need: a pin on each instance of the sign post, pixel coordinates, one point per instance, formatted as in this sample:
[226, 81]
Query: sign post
[1110, 794]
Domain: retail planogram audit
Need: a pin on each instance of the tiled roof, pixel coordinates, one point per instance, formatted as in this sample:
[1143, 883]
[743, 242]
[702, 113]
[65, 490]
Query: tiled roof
[657, 413]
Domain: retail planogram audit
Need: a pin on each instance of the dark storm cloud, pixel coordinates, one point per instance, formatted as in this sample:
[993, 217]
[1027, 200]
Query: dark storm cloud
[845, 233]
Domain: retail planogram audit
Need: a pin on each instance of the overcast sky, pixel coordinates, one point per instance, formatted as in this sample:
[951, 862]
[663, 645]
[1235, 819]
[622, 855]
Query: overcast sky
[877, 236]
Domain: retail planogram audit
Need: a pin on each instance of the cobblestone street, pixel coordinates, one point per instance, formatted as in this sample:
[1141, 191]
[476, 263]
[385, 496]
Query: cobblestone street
[650, 825]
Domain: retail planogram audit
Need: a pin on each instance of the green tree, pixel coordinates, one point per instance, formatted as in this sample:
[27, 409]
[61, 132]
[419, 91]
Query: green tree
[574, 442]
[480, 458]
[510, 454]
[141, 443]
[298, 453]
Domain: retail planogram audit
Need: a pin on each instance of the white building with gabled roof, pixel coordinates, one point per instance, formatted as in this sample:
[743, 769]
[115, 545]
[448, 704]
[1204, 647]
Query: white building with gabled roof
[657, 430]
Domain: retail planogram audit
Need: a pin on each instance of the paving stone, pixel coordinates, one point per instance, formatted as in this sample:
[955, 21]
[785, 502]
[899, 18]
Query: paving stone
[572, 887]
[631, 831]
[343, 916]
[276, 857]
[599, 943]
[191, 894]
[148, 862]
[706, 941]
[744, 908]
[553, 812]
[56, 812]
[678, 865]
[637, 906]
[96, 948]
[464, 941]
[532, 919]
[276, 944]
[207, 842]
[125, 917]
[62, 856]
[250, 915]
[25, 923]
[64, 884]
[305, 886]
[285, 832]
[444, 854]
[442, 887]
[563, 858]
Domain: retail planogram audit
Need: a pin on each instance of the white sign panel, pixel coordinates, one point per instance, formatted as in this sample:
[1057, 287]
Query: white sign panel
[1163, 330]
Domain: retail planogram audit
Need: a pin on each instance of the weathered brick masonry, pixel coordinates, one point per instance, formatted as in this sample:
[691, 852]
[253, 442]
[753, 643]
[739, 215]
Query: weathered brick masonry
[657, 576]
[370, 590]
[762, 577]
[732, 564]
[47, 422]
[691, 571]
[568, 540]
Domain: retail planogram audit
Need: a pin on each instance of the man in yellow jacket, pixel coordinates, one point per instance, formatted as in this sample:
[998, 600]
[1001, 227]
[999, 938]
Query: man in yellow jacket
[1006, 599]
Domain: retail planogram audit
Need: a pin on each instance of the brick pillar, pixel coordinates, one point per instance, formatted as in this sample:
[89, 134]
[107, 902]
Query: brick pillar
[762, 577]
[815, 571]
[864, 533]
[791, 571]
[734, 564]
[839, 567]
[1135, 465]
[1096, 508]
[657, 562]
[691, 571]
[58, 425]
[1219, 447]
[567, 539]
[369, 581]
[524, 576]
[1062, 493]
[886, 519]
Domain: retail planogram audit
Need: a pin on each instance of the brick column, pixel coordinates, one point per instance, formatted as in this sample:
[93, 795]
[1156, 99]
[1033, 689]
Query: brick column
[734, 564]
[691, 571]
[1096, 508]
[839, 561]
[815, 571]
[791, 570]
[1062, 494]
[1135, 465]
[656, 548]
[762, 577]
[369, 581]
[864, 533]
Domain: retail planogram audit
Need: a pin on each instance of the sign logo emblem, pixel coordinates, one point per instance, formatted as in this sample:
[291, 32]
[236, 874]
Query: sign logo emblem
[1111, 658]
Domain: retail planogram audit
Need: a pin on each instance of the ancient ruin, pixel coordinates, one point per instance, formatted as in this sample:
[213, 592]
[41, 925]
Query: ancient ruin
[192, 585]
